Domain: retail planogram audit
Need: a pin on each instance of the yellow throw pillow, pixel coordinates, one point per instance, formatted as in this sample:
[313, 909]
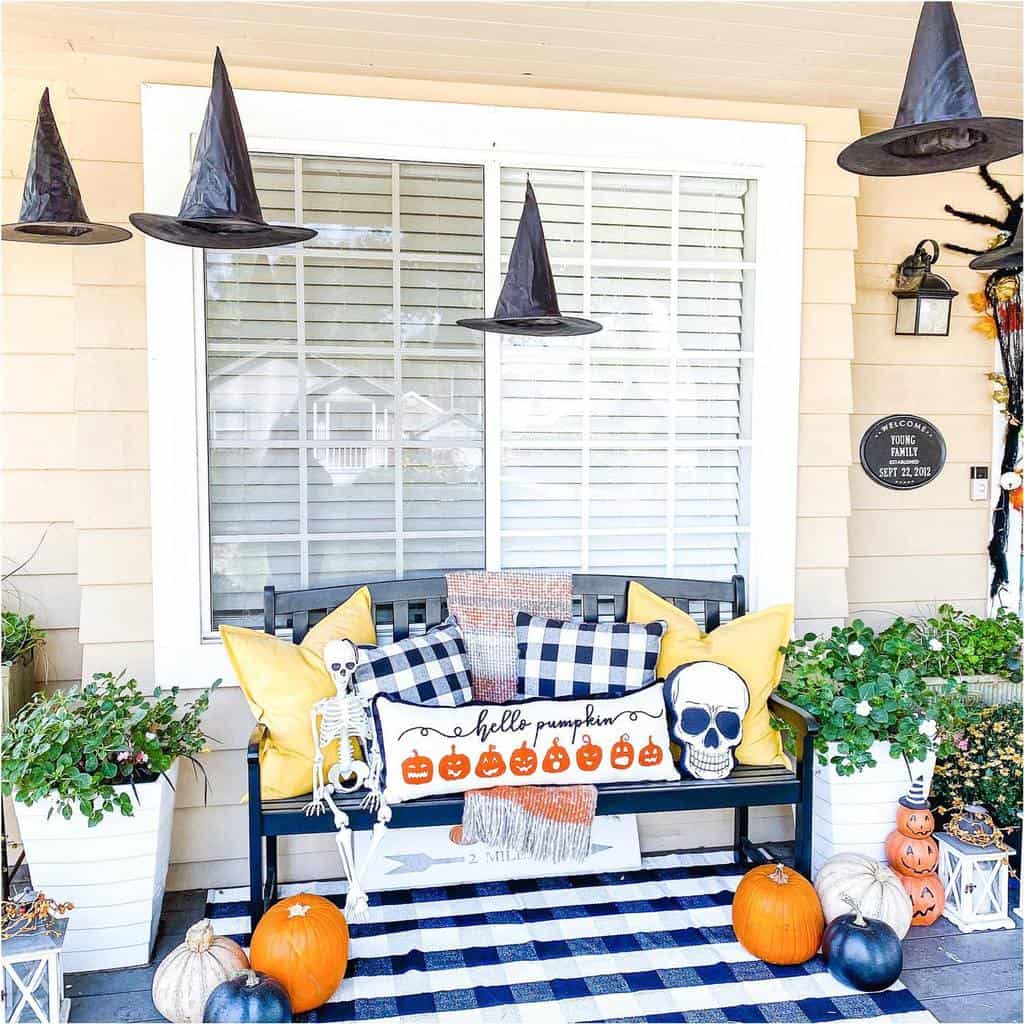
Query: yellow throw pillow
[748, 645]
[282, 681]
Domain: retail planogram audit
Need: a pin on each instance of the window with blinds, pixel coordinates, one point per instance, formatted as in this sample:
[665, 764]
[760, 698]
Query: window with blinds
[345, 409]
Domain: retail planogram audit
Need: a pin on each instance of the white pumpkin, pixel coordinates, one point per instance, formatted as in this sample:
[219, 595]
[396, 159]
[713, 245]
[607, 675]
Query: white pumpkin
[189, 973]
[874, 887]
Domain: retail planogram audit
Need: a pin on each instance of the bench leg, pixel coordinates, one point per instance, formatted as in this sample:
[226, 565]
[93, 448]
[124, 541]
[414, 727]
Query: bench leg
[804, 831]
[741, 826]
[256, 903]
[270, 887]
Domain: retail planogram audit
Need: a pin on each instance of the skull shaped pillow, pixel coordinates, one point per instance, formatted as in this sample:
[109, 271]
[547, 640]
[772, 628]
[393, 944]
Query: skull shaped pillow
[706, 703]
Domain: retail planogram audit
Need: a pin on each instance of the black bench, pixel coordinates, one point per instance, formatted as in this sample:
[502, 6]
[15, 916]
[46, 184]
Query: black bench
[404, 606]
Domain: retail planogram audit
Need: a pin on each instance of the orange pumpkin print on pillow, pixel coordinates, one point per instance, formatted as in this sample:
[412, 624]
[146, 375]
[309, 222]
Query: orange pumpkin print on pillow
[490, 764]
[523, 760]
[588, 757]
[417, 770]
[556, 759]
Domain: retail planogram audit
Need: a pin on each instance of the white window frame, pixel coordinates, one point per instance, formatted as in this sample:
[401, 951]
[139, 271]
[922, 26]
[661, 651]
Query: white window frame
[355, 127]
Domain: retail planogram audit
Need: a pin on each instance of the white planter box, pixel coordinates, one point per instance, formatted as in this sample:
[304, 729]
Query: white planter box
[114, 874]
[855, 813]
[989, 689]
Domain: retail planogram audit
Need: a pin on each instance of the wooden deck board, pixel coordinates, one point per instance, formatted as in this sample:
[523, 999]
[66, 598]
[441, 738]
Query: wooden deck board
[958, 977]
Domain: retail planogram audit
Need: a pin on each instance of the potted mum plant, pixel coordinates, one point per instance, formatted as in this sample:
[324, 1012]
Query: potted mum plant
[92, 773]
[881, 726]
[22, 638]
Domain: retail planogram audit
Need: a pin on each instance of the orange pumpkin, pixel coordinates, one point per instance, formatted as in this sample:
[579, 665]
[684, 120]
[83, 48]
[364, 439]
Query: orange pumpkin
[1017, 498]
[302, 942]
[927, 896]
[650, 754]
[453, 766]
[490, 764]
[911, 855]
[523, 760]
[622, 753]
[777, 916]
[556, 759]
[914, 821]
[417, 770]
[588, 757]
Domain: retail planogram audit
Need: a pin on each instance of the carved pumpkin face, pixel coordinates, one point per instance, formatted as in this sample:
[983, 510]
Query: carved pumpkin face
[523, 760]
[417, 769]
[650, 754]
[490, 764]
[588, 757]
[453, 766]
[911, 855]
[556, 759]
[622, 753]
[927, 896]
[915, 821]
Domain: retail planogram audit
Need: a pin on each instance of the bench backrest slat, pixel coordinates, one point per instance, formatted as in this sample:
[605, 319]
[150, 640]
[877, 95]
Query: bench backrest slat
[404, 607]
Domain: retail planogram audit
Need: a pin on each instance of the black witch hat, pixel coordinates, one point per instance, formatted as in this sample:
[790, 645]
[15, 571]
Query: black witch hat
[528, 303]
[939, 125]
[51, 205]
[1001, 257]
[220, 209]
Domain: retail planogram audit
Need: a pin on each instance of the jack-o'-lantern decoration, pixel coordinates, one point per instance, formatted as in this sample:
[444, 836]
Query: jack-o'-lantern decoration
[588, 757]
[915, 821]
[622, 752]
[490, 764]
[650, 754]
[927, 896]
[453, 766]
[911, 855]
[523, 760]
[556, 759]
[417, 770]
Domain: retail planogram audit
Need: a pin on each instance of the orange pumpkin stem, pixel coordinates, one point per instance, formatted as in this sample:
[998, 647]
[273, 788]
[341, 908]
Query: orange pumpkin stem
[779, 875]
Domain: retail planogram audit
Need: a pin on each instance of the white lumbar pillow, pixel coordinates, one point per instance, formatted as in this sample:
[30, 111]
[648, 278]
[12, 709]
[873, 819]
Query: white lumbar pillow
[432, 750]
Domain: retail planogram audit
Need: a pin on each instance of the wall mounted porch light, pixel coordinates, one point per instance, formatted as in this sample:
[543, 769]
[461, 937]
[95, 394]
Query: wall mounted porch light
[923, 299]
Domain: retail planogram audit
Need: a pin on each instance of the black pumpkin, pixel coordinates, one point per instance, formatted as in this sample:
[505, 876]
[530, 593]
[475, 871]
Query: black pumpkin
[862, 952]
[248, 998]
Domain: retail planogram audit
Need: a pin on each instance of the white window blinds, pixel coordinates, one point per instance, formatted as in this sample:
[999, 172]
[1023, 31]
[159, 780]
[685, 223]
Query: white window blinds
[345, 409]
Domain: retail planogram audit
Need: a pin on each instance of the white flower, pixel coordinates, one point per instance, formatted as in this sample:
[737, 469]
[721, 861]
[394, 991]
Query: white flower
[935, 644]
[856, 649]
[863, 709]
[150, 735]
[927, 728]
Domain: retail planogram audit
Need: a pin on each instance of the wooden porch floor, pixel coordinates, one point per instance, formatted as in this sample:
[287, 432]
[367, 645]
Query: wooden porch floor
[966, 978]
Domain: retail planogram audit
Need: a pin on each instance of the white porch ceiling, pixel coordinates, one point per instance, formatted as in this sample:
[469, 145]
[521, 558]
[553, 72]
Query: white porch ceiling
[832, 53]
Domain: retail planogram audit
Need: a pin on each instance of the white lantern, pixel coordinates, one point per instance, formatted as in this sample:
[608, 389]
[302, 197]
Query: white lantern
[976, 880]
[33, 977]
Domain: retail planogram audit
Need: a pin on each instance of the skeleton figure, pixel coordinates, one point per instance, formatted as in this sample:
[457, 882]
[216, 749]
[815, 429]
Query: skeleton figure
[343, 718]
[707, 702]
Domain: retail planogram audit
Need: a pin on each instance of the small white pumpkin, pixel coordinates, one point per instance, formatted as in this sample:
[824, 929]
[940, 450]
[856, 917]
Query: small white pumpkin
[189, 973]
[874, 887]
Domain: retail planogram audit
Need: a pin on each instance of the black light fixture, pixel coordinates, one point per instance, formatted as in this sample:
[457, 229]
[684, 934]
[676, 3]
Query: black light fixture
[923, 299]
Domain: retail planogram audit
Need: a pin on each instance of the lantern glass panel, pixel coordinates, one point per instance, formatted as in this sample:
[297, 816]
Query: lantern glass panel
[934, 316]
[906, 315]
[34, 976]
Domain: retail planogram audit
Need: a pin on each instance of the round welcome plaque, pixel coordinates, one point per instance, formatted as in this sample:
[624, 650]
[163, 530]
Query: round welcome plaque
[902, 451]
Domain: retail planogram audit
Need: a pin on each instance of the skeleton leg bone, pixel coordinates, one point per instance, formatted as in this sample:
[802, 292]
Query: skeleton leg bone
[356, 904]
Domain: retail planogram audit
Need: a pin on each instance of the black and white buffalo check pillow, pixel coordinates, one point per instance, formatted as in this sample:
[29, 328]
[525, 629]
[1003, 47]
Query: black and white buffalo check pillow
[577, 659]
[428, 669]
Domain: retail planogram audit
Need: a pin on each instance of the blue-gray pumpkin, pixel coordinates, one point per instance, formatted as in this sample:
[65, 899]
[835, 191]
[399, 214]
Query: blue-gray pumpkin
[248, 998]
[862, 952]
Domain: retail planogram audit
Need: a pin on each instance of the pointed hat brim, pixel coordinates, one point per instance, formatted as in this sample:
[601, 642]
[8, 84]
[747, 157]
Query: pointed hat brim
[214, 235]
[65, 232]
[873, 155]
[1002, 257]
[535, 327]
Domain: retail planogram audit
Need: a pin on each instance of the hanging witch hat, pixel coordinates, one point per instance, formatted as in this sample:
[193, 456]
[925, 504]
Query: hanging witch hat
[939, 125]
[51, 205]
[1001, 257]
[916, 798]
[528, 303]
[220, 208]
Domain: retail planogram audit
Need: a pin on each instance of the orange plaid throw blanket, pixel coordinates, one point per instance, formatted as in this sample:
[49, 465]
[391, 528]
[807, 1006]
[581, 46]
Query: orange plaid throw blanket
[548, 823]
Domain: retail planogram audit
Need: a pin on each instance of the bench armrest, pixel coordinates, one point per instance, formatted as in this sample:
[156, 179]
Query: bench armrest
[256, 739]
[803, 723]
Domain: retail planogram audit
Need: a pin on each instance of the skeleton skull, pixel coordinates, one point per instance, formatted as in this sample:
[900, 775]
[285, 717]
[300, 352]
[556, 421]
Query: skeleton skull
[707, 703]
[341, 658]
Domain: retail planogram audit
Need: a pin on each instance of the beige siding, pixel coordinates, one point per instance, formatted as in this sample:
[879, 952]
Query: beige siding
[75, 364]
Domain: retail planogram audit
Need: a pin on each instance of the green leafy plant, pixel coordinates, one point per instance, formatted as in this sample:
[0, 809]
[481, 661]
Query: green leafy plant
[76, 745]
[21, 637]
[863, 687]
[985, 765]
[960, 644]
